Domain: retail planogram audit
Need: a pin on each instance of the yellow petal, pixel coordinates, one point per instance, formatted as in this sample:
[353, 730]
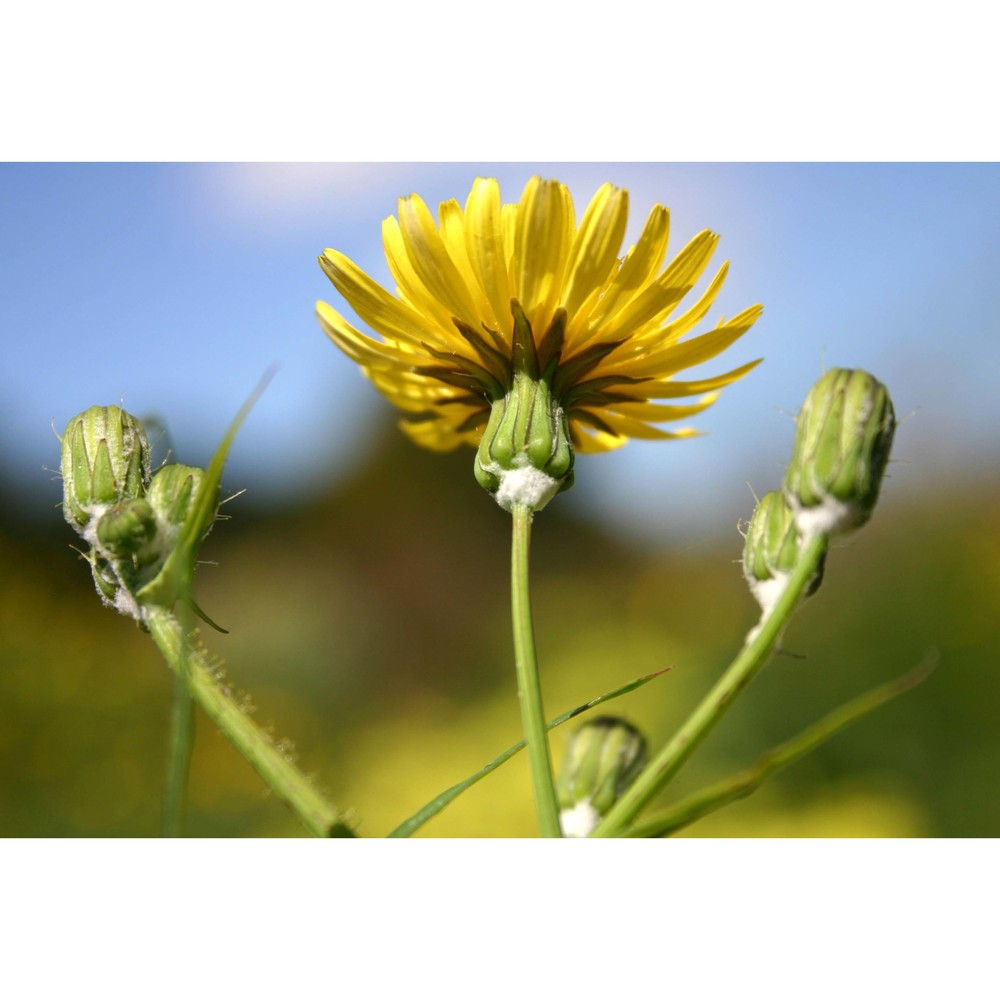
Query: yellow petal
[669, 389]
[629, 428]
[640, 264]
[380, 310]
[657, 336]
[411, 288]
[430, 260]
[659, 298]
[357, 346]
[485, 246]
[541, 243]
[658, 412]
[433, 434]
[688, 353]
[508, 225]
[453, 226]
[590, 441]
[410, 392]
[595, 247]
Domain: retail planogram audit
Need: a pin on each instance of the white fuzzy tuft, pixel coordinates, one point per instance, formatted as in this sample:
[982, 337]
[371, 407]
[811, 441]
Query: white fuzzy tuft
[768, 592]
[580, 821]
[827, 518]
[524, 485]
[89, 531]
[126, 604]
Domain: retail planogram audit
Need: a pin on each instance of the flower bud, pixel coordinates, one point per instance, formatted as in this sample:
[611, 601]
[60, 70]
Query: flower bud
[173, 490]
[525, 457]
[603, 758]
[842, 442]
[126, 529]
[105, 461]
[771, 550]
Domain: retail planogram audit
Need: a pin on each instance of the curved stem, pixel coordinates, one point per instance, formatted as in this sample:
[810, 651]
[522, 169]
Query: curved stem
[281, 775]
[179, 757]
[529, 689]
[754, 654]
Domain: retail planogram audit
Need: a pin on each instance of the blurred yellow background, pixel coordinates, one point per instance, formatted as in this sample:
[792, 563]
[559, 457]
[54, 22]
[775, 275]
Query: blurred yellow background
[371, 627]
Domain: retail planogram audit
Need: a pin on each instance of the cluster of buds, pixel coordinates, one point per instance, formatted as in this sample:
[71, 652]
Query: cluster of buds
[130, 519]
[604, 757]
[843, 437]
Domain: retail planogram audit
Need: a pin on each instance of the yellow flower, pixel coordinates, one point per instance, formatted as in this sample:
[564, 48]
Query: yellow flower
[496, 290]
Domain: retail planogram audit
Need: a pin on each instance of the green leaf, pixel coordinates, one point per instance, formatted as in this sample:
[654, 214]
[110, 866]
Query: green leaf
[173, 582]
[739, 786]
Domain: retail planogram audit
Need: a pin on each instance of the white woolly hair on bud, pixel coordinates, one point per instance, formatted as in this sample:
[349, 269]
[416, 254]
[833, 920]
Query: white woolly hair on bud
[126, 604]
[523, 485]
[88, 532]
[768, 592]
[827, 518]
[580, 820]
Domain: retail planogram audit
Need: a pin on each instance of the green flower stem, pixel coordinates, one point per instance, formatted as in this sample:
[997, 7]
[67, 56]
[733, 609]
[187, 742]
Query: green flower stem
[529, 690]
[281, 775]
[755, 653]
[179, 757]
[739, 786]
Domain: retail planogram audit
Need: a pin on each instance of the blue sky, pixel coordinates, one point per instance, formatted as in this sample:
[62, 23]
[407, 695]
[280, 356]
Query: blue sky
[177, 285]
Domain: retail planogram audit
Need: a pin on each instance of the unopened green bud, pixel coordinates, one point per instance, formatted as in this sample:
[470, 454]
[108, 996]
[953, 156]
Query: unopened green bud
[525, 457]
[105, 461]
[173, 490]
[771, 550]
[842, 443]
[127, 528]
[603, 758]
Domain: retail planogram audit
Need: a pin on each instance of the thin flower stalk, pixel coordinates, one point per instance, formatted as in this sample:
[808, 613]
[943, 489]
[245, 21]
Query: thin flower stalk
[754, 654]
[528, 684]
[279, 772]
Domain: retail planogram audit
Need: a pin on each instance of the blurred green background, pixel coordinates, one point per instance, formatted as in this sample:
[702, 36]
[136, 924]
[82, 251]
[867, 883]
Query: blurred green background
[370, 626]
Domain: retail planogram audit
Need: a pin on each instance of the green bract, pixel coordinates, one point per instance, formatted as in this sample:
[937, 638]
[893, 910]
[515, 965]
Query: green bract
[105, 577]
[173, 490]
[525, 456]
[105, 461]
[602, 760]
[842, 443]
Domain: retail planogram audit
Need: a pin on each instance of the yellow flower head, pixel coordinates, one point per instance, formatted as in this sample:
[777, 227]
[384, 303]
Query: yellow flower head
[495, 292]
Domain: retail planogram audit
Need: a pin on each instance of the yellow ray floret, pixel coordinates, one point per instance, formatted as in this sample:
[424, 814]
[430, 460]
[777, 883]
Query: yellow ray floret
[490, 290]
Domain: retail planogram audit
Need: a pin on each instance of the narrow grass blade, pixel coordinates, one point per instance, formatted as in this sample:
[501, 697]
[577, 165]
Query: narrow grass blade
[174, 580]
